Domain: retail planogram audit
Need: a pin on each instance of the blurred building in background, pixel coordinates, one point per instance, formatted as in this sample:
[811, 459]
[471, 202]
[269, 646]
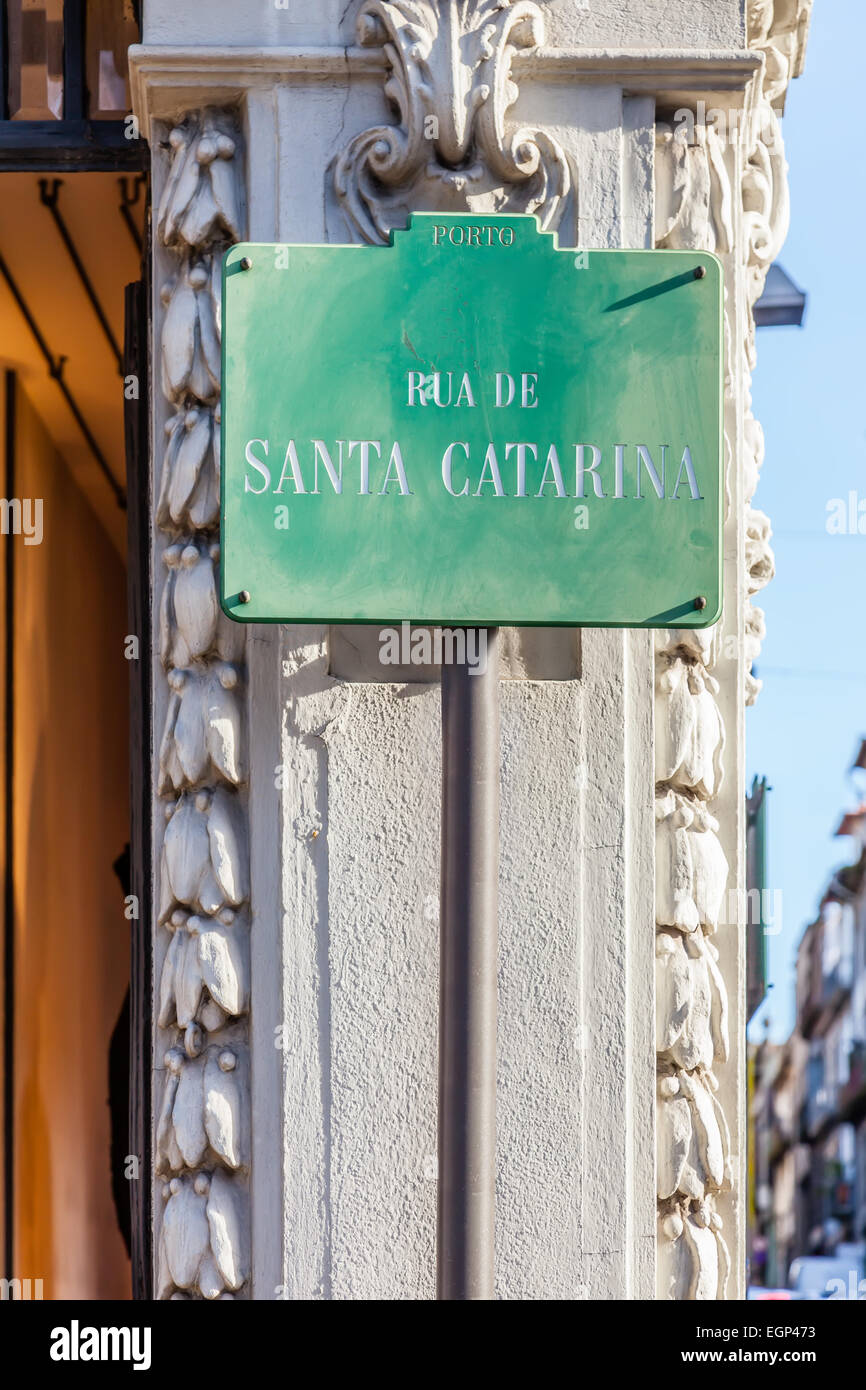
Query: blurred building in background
[808, 1094]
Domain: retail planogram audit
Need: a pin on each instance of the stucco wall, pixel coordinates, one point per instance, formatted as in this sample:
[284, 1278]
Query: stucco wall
[600, 23]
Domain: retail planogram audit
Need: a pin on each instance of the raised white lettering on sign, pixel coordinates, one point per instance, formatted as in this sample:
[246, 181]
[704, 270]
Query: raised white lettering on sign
[473, 234]
[581, 470]
[514, 468]
[446, 470]
[261, 468]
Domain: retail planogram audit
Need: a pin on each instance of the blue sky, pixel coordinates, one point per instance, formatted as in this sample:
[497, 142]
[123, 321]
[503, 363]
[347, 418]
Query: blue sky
[809, 394]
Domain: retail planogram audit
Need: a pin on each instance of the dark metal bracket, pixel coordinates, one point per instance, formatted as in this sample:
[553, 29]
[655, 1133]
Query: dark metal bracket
[129, 200]
[55, 367]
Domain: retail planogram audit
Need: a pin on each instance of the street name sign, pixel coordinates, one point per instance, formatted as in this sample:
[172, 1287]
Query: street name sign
[471, 426]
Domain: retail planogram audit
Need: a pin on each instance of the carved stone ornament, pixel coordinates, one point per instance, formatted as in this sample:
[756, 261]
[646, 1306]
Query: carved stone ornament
[698, 184]
[694, 210]
[202, 1087]
[451, 150]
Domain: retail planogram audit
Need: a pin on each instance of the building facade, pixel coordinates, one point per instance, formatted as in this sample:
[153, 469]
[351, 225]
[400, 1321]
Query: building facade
[286, 805]
[808, 1105]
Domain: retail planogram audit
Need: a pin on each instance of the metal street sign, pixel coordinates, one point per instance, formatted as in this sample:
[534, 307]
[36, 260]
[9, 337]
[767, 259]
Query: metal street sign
[472, 426]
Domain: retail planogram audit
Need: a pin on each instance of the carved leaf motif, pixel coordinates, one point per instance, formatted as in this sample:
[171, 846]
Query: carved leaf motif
[689, 731]
[705, 768]
[166, 635]
[710, 868]
[170, 964]
[694, 1045]
[204, 502]
[693, 1147]
[673, 989]
[202, 736]
[189, 728]
[694, 205]
[760, 560]
[202, 212]
[188, 979]
[691, 1017]
[227, 1233]
[691, 868]
[210, 1282]
[203, 870]
[223, 723]
[187, 461]
[675, 903]
[707, 1135]
[191, 607]
[222, 1108]
[204, 854]
[185, 1232]
[700, 1242]
[209, 338]
[185, 853]
[168, 1155]
[724, 1132]
[228, 850]
[223, 955]
[190, 342]
[179, 336]
[171, 771]
[202, 1106]
[188, 1116]
[193, 441]
[164, 1282]
[193, 625]
[673, 1139]
[180, 184]
[200, 200]
[766, 204]
[693, 1259]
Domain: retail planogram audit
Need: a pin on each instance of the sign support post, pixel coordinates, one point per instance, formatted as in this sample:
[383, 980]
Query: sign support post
[469, 892]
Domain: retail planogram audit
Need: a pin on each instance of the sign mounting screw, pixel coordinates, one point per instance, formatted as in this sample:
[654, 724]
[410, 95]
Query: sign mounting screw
[244, 597]
[700, 601]
[246, 264]
[700, 271]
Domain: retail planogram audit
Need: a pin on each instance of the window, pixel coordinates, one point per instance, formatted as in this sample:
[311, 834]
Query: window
[111, 28]
[35, 62]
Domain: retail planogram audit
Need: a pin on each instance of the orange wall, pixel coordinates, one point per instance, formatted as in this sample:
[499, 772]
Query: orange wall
[70, 823]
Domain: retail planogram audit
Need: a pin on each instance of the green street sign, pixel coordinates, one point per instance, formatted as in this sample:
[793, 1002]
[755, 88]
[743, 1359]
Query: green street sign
[472, 426]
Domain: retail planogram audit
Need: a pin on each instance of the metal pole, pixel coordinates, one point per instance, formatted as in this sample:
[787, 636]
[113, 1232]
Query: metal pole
[467, 976]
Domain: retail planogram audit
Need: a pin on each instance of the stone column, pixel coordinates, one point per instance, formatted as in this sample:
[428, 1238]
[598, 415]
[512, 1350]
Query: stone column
[295, 960]
[721, 185]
